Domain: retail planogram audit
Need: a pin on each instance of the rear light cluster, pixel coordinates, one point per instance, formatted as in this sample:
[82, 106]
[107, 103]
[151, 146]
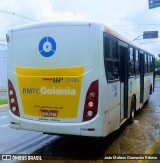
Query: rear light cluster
[13, 99]
[91, 102]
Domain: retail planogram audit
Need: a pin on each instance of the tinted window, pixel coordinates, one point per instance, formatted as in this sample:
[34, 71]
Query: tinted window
[131, 62]
[131, 68]
[131, 54]
[111, 59]
[137, 68]
[137, 60]
[111, 50]
[151, 64]
[136, 56]
[146, 63]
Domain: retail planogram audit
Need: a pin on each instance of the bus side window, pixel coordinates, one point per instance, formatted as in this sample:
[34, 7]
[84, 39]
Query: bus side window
[111, 58]
[137, 60]
[109, 70]
[151, 64]
[107, 49]
[131, 62]
[145, 63]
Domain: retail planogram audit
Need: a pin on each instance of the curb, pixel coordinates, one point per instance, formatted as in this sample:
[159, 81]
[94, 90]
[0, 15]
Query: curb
[151, 150]
[3, 106]
[154, 146]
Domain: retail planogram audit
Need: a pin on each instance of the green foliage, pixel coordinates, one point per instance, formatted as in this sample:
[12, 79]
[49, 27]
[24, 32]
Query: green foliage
[3, 101]
[157, 78]
[157, 62]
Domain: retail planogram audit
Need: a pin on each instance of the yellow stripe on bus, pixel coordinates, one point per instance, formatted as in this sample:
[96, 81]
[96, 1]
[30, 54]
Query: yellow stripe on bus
[36, 72]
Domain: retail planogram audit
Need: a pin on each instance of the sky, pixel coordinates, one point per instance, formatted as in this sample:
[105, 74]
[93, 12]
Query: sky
[128, 17]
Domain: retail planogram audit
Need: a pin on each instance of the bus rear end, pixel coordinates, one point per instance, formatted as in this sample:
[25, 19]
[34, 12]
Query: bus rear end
[52, 85]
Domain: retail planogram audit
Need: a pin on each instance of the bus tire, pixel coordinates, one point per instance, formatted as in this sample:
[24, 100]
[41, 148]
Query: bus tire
[133, 110]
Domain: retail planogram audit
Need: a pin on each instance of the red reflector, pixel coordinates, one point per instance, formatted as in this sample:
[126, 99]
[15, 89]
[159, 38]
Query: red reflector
[91, 129]
[13, 123]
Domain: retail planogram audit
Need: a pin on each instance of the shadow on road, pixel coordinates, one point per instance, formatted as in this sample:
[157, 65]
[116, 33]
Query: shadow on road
[77, 147]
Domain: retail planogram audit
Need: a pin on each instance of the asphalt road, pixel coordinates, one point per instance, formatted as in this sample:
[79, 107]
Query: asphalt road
[13, 141]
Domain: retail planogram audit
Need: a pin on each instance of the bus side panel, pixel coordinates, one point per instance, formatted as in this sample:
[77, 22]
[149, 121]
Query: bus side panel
[97, 60]
[133, 90]
[137, 91]
[147, 85]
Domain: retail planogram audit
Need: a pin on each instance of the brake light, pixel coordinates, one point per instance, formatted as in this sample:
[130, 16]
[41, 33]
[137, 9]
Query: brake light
[91, 102]
[13, 99]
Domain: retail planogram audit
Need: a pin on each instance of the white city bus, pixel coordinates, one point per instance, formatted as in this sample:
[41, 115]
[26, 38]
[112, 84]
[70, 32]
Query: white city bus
[75, 78]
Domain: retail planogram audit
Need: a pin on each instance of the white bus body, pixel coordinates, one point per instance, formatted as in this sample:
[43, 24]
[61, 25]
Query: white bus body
[58, 79]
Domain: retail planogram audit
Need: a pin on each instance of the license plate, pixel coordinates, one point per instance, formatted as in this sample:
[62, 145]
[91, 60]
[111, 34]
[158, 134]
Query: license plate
[49, 113]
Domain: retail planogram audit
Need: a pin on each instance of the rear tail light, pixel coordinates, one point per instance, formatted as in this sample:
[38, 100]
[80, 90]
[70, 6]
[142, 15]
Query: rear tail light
[91, 102]
[13, 99]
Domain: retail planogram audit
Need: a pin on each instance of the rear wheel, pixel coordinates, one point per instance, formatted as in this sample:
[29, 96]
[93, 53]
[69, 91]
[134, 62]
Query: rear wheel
[133, 110]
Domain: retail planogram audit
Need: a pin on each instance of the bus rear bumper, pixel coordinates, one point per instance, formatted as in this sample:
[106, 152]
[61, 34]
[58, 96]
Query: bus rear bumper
[89, 128]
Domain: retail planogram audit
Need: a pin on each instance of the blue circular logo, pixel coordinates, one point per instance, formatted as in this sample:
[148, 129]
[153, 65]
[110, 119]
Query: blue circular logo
[47, 46]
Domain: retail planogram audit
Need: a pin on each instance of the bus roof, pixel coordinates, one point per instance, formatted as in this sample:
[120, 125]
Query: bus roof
[50, 24]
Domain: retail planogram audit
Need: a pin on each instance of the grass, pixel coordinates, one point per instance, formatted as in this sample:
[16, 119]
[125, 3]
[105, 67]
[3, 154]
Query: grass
[157, 77]
[3, 101]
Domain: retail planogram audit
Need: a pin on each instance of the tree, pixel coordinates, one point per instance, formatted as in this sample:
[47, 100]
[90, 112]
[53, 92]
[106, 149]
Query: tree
[157, 62]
